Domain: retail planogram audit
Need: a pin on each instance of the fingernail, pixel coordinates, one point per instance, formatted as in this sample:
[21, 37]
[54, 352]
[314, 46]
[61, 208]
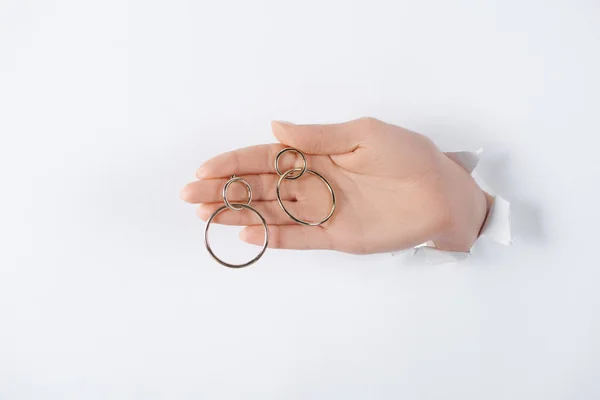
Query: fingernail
[202, 212]
[183, 193]
[200, 173]
[246, 236]
[284, 122]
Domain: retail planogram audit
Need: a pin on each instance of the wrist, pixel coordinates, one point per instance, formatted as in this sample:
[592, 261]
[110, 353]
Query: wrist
[466, 209]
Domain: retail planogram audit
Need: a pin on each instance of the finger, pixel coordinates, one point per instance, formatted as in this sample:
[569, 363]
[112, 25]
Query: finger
[246, 161]
[270, 210]
[324, 139]
[297, 237]
[211, 190]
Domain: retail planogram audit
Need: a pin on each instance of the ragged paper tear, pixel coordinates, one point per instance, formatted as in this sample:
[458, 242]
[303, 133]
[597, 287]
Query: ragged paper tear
[497, 224]
[466, 159]
[495, 227]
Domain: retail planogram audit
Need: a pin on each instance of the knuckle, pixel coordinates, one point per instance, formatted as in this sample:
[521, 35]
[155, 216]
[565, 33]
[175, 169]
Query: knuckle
[369, 122]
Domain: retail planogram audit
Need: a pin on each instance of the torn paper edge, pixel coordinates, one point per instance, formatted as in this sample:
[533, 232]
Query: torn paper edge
[466, 159]
[497, 223]
[495, 227]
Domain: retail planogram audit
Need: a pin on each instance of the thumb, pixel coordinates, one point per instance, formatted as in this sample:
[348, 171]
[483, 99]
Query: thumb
[323, 139]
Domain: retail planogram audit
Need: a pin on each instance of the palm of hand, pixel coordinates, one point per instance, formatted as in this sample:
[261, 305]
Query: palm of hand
[386, 191]
[388, 183]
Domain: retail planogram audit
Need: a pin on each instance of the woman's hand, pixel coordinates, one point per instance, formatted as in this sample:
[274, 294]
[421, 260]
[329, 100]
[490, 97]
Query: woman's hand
[394, 190]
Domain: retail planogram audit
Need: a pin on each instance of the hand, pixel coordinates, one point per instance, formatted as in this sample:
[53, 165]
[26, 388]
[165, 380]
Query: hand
[394, 190]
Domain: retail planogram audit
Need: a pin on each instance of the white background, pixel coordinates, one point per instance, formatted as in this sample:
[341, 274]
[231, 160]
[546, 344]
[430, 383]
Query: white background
[108, 107]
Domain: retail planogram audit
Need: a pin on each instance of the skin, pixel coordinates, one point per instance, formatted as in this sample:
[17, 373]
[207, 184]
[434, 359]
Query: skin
[394, 189]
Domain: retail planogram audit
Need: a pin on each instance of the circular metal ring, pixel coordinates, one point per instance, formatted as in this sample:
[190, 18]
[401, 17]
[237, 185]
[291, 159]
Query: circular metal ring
[310, 171]
[264, 247]
[302, 170]
[229, 182]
